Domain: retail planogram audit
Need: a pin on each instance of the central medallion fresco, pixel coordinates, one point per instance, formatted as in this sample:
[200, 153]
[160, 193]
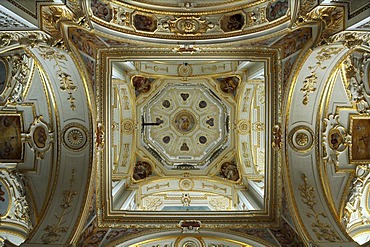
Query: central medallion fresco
[185, 125]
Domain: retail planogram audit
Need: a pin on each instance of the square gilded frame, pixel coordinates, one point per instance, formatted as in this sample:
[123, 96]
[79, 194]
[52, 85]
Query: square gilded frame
[268, 217]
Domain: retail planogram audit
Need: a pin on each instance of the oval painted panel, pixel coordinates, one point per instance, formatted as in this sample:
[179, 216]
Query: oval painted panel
[40, 137]
[3, 75]
[4, 200]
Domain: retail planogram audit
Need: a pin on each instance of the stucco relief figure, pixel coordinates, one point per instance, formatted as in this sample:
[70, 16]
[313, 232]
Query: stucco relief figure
[142, 170]
[141, 84]
[229, 171]
[229, 84]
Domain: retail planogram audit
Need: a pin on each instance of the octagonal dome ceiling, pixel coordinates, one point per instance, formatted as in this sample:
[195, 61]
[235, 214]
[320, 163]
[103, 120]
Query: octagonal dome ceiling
[184, 124]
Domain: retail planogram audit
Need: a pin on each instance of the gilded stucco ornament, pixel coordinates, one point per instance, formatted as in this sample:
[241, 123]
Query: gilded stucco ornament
[187, 25]
[301, 138]
[39, 137]
[52, 18]
[351, 38]
[257, 16]
[335, 139]
[309, 83]
[54, 231]
[322, 230]
[19, 66]
[355, 74]
[331, 17]
[186, 49]
[100, 136]
[75, 136]
[189, 242]
[65, 78]
[354, 214]
[14, 209]
[276, 137]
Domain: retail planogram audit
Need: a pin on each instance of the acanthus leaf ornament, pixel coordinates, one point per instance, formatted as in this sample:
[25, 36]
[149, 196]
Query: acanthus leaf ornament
[310, 81]
[322, 230]
[66, 82]
[53, 231]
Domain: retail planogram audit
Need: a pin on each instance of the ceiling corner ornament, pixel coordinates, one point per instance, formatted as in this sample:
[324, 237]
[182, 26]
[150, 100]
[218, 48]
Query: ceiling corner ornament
[187, 25]
[301, 138]
[322, 230]
[229, 170]
[52, 18]
[309, 83]
[142, 170]
[53, 232]
[39, 137]
[335, 139]
[332, 17]
[75, 136]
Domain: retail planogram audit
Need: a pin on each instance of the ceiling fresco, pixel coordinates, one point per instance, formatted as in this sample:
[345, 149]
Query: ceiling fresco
[184, 123]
